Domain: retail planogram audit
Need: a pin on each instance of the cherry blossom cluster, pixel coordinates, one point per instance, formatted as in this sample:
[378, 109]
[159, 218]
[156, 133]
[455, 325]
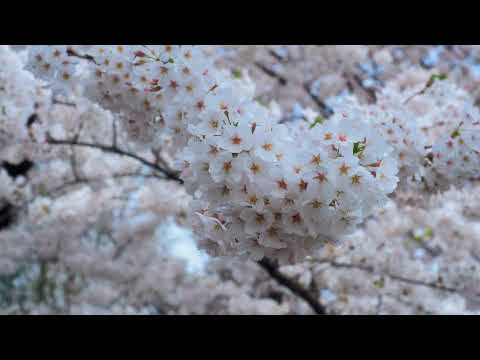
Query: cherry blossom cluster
[433, 126]
[453, 132]
[456, 154]
[21, 96]
[146, 85]
[262, 188]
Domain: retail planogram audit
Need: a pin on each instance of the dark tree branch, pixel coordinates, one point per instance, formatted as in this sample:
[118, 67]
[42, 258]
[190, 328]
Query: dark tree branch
[7, 215]
[325, 110]
[114, 133]
[277, 56]
[281, 79]
[20, 169]
[72, 52]
[298, 290]
[115, 150]
[64, 103]
[371, 94]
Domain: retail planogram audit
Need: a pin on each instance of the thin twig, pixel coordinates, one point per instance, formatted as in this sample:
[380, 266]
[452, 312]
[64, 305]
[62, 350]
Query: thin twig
[372, 95]
[74, 53]
[56, 101]
[325, 110]
[114, 132]
[395, 277]
[115, 150]
[281, 79]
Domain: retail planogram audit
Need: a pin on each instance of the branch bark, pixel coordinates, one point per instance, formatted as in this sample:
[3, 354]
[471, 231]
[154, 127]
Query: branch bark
[272, 269]
[170, 175]
[325, 110]
[270, 72]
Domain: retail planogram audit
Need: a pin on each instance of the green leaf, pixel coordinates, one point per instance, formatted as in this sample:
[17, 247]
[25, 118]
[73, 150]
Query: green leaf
[418, 238]
[237, 74]
[428, 232]
[429, 83]
[436, 77]
[422, 235]
[318, 120]
[380, 283]
[262, 102]
[456, 132]
[42, 190]
[358, 148]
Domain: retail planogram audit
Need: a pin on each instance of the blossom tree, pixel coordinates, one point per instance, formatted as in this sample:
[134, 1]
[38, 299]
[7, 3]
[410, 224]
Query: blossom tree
[109, 150]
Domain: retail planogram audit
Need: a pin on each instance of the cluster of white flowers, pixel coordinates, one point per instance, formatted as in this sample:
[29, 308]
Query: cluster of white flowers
[262, 188]
[21, 96]
[143, 84]
[270, 190]
[399, 128]
[434, 128]
[447, 127]
[455, 153]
